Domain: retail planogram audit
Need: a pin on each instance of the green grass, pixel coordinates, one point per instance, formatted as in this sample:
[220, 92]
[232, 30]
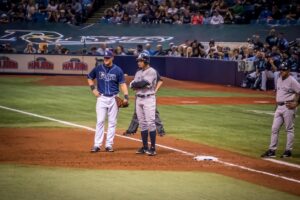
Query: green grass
[229, 127]
[23, 182]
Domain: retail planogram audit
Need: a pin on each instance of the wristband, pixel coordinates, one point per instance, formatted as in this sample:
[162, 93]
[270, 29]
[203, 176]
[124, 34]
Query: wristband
[92, 87]
[126, 97]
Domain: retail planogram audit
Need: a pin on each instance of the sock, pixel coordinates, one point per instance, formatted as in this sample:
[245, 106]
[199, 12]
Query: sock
[153, 139]
[144, 135]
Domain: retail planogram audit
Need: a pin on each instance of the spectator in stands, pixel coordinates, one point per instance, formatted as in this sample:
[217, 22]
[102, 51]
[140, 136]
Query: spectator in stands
[126, 19]
[174, 52]
[93, 51]
[237, 11]
[139, 49]
[148, 48]
[265, 14]
[228, 18]
[216, 18]
[272, 38]
[57, 49]
[159, 51]
[119, 51]
[283, 43]
[7, 48]
[197, 18]
[276, 13]
[186, 18]
[101, 50]
[43, 48]
[293, 13]
[4, 19]
[29, 48]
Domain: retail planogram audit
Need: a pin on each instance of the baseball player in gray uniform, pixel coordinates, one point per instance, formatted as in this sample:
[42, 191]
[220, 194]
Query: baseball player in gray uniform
[287, 98]
[134, 124]
[144, 83]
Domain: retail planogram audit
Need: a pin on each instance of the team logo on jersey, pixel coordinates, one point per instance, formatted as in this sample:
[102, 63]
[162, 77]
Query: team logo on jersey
[75, 64]
[41, 63]
[107, 77]
[7, 63]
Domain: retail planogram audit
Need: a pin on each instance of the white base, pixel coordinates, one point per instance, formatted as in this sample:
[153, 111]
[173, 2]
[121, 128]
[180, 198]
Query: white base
[205, 158]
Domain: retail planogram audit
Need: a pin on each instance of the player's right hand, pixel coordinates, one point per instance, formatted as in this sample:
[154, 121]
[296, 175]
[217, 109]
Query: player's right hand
[96, 93]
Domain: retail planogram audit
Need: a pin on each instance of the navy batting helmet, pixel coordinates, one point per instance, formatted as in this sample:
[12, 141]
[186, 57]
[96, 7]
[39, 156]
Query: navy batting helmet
[284, 66]
[144, 56]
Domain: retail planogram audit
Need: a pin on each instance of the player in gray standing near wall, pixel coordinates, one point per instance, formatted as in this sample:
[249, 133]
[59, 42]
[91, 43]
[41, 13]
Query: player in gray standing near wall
[144, 83]
[287, 98]
[134, 124]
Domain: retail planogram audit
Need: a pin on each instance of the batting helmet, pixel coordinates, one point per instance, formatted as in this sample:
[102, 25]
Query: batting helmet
[284, 66]
[144, 56]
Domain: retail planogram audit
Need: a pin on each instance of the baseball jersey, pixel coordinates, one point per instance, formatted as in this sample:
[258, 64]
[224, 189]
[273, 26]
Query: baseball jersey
[286, 89]
[149, 75]
[108, 79]
[260, 65]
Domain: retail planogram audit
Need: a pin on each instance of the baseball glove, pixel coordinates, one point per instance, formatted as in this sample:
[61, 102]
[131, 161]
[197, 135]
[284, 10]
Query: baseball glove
[121, 103]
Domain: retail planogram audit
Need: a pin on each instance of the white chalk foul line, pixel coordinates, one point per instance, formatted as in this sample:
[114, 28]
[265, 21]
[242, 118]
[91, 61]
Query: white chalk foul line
[166, 147]
[282, 162]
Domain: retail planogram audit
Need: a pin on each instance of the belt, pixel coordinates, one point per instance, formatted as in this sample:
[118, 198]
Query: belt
[283, 103]
[108, 95]
[144, 95]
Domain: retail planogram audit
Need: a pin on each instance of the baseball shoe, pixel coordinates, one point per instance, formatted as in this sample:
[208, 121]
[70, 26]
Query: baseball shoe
[141, 150]
[286, 154]
[269, 154]
[162, 133]
[95, 149]
[128, 133]
[109, 149]
[151, 152]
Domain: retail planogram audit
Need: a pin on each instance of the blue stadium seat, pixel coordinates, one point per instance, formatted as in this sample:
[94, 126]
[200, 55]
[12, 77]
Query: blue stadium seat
[262, 21]
[272, 22]
[292, 22]
[282, 22]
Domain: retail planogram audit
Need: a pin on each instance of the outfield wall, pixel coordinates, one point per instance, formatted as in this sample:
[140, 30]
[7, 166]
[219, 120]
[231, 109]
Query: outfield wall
[189, 69]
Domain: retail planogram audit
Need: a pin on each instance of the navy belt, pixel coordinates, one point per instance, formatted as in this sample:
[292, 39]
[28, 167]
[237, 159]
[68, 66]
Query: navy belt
[283, 103]
[108, 95]
[144, 95]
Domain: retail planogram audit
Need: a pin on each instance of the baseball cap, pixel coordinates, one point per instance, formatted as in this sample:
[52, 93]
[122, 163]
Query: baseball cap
[108, 54]
[284, 66]
[144, 56]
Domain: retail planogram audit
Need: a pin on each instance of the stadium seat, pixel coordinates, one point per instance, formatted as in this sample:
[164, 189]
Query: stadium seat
[292, 22]
[282, 22]
[273, 22]
[262, 21]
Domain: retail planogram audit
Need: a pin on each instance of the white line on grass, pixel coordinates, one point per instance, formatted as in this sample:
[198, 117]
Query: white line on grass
[163, 146]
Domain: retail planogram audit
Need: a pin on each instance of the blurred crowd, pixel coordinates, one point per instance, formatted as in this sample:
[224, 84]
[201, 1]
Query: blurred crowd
[200, 11]
[64, 11]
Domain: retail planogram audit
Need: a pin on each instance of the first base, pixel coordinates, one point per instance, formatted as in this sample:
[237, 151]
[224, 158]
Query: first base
[205, 158]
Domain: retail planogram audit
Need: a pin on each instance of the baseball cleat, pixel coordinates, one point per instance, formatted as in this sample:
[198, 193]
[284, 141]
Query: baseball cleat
[141, 151]
[109, 149]
[286, 154]
[269, 154]
[162, 133]
[126, 133]
[95, 149]
[151, 152]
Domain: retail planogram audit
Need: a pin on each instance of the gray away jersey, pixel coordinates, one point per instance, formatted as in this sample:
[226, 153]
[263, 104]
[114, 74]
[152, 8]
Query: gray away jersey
[286, 89]
[149, 75]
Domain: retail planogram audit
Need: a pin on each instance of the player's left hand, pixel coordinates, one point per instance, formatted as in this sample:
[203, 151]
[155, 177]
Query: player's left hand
[291, 104]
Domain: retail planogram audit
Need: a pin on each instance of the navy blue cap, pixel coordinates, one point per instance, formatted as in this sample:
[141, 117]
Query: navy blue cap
[284, 66]
[108, 54]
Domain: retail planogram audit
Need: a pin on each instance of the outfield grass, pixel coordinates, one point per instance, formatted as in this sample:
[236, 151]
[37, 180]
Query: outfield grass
[235, 127]
[23, 182]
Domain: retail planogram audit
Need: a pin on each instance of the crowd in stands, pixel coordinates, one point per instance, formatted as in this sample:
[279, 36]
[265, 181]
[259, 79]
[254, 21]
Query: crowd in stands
[63, 11]
[202, 11]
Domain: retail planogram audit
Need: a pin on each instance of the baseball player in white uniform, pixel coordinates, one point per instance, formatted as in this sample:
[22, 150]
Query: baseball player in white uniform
[287, 98]
[109, 77]
[144, 83]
